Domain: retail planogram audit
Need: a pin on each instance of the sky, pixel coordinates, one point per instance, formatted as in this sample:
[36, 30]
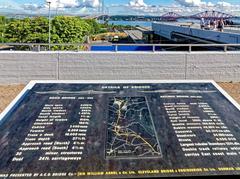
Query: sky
[137, 7]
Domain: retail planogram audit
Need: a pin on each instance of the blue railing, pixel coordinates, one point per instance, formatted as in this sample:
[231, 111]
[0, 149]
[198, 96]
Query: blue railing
[122, 48]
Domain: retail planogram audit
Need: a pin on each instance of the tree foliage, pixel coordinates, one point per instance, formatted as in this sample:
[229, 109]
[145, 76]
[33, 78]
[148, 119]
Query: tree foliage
[95, 26]
[69, 29]
[28, 30]
[65, 29]
[2, 28]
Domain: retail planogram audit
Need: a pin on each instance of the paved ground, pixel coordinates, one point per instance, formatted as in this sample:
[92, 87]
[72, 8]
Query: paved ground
[9, 92]
[233, 90]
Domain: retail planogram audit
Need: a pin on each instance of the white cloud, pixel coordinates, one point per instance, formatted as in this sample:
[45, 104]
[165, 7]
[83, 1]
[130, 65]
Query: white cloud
[73, 3]
[194, 6]
[183, 7]
[62, 3]
[31, 7]
[224, 4]
[137, 3]
[209, 4]
[11, 4]
[190, 3]
[201, 3]
[64, 6]
[90, 3]
[137, 7]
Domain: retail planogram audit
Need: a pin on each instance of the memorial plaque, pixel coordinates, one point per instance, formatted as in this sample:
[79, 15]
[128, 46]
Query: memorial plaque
[115, 129]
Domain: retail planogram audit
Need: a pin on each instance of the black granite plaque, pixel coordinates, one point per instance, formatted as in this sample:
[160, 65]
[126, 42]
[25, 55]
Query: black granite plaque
[120, 130]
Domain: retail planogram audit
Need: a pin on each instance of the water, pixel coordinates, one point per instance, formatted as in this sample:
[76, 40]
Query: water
[132, 23]
[143, 23]
[149, 23]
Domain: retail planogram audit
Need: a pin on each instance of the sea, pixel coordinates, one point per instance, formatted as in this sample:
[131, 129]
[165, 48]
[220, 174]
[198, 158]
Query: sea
[149, 23]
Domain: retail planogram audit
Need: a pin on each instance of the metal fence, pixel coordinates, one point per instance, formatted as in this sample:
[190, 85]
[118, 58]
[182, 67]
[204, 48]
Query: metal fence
[232, 27]
[38, 47]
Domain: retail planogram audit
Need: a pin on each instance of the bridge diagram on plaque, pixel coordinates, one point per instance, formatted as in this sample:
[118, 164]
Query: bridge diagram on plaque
[130, 129]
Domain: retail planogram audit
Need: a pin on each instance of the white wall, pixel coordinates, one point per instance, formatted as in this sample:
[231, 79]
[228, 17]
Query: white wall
[21, 67]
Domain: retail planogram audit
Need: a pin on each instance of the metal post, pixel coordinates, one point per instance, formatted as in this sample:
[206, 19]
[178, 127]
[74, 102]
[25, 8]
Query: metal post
[49, 23]
[190, 49]
[225, 48]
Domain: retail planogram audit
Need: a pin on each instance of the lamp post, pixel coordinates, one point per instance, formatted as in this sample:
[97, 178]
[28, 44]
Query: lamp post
[49, 23]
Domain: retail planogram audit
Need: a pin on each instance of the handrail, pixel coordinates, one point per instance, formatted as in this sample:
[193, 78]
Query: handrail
[234, 47]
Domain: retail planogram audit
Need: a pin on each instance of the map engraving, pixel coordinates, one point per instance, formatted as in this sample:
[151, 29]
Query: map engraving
[131, 132]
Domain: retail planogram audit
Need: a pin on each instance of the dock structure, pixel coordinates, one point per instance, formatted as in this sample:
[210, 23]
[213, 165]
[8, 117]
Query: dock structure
[135, 35]
[193, 31]
[140, 35]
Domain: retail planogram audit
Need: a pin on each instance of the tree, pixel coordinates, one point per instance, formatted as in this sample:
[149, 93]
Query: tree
[28, 30]
[69, 29]
[65, 29]
[39, 30]
[3, 22]
[95, 26]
